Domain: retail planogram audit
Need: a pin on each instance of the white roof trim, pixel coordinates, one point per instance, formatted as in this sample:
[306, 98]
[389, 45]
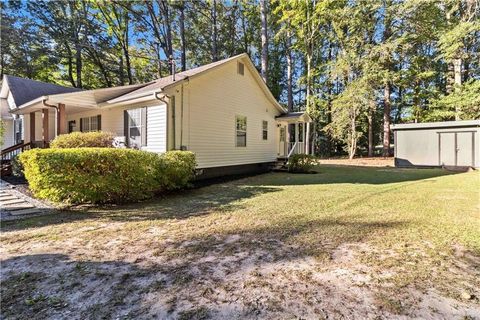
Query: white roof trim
[444, 124]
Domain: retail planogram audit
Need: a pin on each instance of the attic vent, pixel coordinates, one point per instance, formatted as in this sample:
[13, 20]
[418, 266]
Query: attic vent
[240, 69]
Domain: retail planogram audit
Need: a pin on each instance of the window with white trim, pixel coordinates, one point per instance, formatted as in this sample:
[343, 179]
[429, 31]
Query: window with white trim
[265, 130]
[88, 124]
[241, 131]
[137, 125]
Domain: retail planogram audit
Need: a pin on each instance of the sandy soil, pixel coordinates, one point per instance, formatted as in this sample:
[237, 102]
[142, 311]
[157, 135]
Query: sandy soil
[235, 278]
[368, 162]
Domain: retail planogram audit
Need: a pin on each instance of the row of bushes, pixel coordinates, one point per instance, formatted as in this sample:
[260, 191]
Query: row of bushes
[104, 175]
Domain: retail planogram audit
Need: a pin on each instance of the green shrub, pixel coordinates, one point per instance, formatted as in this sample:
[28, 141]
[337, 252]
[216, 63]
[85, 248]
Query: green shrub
[95, 139]
[177, 169]
[17, 167]
[301, 163]
[104, 175]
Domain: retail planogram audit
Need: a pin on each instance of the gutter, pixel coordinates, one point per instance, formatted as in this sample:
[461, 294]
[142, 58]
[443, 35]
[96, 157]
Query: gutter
[163, 99]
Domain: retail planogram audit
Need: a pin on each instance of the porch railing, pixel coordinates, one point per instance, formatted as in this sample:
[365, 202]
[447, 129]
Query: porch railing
[295, 148]
[10, 152]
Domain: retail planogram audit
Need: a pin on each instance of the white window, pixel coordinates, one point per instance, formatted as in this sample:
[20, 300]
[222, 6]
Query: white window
[241, 68]
[88, 124]
[137, 128]
[265, 130]
[241, 131]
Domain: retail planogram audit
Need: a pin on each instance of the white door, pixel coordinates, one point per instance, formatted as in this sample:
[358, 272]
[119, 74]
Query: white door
[447, 149]
[282, 138]
[465, 149]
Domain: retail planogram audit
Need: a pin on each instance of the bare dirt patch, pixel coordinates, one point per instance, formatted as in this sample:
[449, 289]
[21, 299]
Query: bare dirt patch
[275, 246]
[364, 162]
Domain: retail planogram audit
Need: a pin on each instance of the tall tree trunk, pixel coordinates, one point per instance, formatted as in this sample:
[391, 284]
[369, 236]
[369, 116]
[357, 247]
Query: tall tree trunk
[215, 32]
[263, 18]
[70, 65]
[182, 37]
[387, 33]
[353, 138]
[78, 64]
[289, 73]
[370, 131]
[309, 80]
[121, 71]
[126, 52]
[386, 120]
[416, 102]
[457, 70]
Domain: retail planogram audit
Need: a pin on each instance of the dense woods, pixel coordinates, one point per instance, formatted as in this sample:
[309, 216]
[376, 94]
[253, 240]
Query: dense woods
[355, 66]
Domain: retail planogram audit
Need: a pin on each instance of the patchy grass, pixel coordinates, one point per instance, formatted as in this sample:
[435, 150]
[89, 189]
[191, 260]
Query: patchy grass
[350, 242]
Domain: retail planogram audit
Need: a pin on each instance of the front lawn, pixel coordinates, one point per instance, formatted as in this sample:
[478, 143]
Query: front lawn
[350, 242]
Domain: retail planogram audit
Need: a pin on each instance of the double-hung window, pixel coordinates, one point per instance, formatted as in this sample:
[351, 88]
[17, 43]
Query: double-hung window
[265, 130]
[241, 131]
[88, 124]
[136, 127]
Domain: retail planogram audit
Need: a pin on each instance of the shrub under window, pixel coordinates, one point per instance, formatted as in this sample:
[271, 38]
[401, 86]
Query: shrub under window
[96, 139]
[104, 175]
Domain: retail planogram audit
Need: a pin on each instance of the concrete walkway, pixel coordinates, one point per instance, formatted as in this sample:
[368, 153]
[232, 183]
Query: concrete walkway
[16, 205]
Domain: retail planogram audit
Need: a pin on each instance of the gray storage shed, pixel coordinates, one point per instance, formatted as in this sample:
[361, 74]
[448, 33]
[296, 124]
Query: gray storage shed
[437, 144]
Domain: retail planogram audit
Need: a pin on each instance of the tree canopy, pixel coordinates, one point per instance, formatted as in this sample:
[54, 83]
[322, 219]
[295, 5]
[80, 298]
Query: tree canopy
[354, 66]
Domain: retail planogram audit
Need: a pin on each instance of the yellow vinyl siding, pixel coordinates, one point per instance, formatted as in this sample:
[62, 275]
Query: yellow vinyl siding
[211, 102]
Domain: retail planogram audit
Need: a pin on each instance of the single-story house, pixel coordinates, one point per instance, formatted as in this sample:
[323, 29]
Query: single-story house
[437, 144]
[222, 111]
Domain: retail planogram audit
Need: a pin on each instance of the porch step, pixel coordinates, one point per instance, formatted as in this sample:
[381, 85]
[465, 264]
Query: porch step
[25, 211]
[280, 164]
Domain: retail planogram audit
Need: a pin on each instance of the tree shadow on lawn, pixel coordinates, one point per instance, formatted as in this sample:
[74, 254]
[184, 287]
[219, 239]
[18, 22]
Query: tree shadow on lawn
[177, 205]
[181, 275]
[332, 174]
[227, 196]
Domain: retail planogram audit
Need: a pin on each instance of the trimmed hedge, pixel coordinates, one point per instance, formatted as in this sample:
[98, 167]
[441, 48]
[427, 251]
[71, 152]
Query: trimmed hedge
[94, 139]
[104, 175]
[301, 163]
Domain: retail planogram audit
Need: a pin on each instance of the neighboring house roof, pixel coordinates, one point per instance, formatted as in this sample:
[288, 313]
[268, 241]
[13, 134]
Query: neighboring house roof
[25, 90]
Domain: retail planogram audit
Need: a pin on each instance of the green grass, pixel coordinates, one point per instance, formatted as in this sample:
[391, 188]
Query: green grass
[412, 224]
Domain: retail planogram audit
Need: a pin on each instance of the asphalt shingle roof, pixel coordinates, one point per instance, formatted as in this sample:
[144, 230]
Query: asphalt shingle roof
[25, 90]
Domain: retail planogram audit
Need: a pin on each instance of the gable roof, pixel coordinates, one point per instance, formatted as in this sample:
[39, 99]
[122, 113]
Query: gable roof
[25, 90]
[96, 98]
[165, 82]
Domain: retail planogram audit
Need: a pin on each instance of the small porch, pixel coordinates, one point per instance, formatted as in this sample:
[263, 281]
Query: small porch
[295, 134]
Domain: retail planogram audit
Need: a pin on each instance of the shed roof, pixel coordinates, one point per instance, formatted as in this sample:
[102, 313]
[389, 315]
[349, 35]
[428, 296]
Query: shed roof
[434, 125]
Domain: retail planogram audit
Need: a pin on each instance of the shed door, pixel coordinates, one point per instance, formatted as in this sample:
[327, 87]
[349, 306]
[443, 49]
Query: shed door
[465, 149]
[457, 149]
[447, 149]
